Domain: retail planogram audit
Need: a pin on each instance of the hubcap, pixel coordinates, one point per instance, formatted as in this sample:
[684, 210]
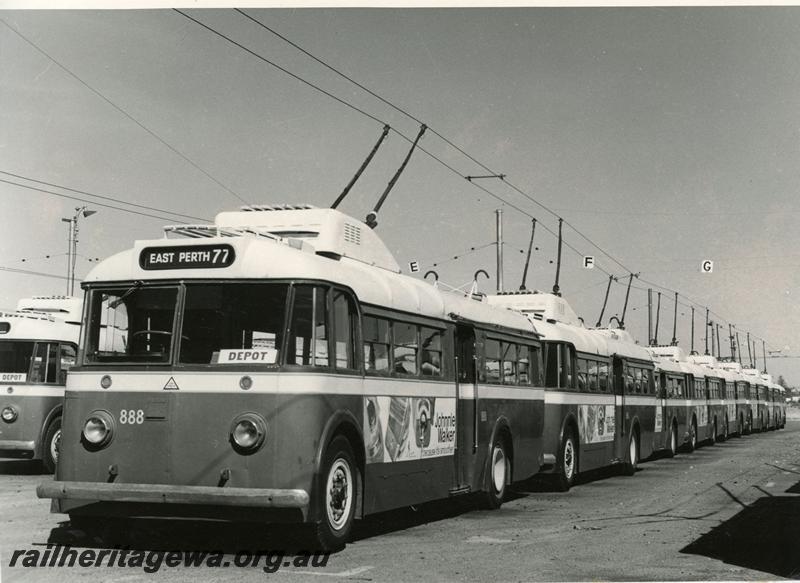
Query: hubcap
[339, 494]
[498, 469]
[54, 445]
[569, 459]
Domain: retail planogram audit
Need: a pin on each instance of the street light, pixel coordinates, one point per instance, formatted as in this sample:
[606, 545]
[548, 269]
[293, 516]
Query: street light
[72, 244]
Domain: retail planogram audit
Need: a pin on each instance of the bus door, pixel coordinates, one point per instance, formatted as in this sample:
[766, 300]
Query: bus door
[467, 396]
[662, 422]
[620, 425]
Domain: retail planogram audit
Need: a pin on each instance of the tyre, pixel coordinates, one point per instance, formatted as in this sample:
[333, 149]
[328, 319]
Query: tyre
[567, 462]
[498, 474]
[336, 496]
[630, 464]
[50, 446]
[692, 445]
[672, 446]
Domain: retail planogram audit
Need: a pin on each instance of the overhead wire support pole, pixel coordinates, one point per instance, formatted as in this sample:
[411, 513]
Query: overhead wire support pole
[733, 346]
[675, 322]
[706, 333]
[719, 344]
[692, 347]
[364, 165]
[749, 354]
[605, 302]
[650, 316]
[499, 214]
[556, 289]
[738, 347]
[712, 324]
[528, 257]
[372, 217]
[764, 352]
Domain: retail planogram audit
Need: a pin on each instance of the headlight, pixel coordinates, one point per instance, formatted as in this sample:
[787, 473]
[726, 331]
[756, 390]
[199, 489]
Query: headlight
[98, 429]
[248, 432]
[10, 414]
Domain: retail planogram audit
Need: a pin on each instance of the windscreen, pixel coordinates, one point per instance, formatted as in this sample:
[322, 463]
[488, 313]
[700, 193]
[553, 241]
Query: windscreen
[15, 360]
[233, 323]
[131, 325]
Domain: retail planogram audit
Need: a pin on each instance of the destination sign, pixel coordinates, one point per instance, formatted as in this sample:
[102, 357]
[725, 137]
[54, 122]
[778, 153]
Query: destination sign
[187, 257]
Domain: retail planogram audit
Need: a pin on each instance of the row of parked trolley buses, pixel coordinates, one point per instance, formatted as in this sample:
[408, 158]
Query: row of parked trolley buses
[277, 366]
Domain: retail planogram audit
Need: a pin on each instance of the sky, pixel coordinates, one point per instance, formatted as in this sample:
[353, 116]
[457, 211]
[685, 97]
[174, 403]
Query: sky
[664, 136]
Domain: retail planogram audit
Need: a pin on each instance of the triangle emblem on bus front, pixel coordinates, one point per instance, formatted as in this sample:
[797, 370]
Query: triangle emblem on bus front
[171, 385]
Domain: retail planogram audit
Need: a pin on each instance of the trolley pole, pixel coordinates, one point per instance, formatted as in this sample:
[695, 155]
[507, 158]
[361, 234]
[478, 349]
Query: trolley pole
[764, 353]
[650, 316]
[692, 348]
[749, 354]
[733, 346]
[706, 334]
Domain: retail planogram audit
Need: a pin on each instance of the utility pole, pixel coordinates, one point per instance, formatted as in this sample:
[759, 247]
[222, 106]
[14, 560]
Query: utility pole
[499, 213]
[72, 244]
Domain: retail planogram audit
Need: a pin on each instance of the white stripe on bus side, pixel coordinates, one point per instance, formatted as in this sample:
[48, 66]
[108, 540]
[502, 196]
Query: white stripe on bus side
[293, 383]
[35, 391]
[565, 398]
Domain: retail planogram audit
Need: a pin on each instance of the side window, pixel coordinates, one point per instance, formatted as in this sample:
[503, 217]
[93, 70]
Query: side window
[629, 380]
[566, 367]
[45, 363]
[679, 387]
[492, 361]
[637, 380]
[524, 365]
[406, 348]
[582, 372]
[66, 362]
[592, 374]
[509, 363]
[551, 365]
[308, 335]
[431, 352]
[344, 319]
[602, 375]
[376, 344]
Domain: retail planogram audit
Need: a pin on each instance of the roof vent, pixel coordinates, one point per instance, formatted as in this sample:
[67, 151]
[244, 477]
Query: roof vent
[352, 234]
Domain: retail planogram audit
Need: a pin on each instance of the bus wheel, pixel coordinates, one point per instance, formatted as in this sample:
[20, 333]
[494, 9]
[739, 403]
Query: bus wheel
[629, 467]
[567, 462]
[692, 445]
[337, 495]
[498, 474]
[672, 449]
[50, 447]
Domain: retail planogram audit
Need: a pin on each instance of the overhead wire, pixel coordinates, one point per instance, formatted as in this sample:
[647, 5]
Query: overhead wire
[93, 202]
[126, 114]
[117, 200]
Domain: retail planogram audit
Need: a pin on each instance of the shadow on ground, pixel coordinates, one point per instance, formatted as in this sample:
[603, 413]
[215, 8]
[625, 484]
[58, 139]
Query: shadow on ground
[764, 536]
[11, 467]
[154, 534]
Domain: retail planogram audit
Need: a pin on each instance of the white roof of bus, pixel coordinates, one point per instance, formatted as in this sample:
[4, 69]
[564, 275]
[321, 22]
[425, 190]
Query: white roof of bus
[556, 321]
[271, 257]
[36, 326]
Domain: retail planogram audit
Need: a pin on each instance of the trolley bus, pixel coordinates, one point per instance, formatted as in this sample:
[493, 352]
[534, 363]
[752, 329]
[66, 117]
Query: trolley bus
[276, 366]
[716, 398]
[600, 394]
[682, 387]
[744, 408]
[38, 345]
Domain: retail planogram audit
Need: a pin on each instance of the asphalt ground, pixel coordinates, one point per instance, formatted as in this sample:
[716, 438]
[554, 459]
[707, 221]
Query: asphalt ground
[729, 511]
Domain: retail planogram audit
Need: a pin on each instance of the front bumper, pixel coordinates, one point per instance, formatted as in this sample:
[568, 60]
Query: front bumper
[17, 448]
[168, 494]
